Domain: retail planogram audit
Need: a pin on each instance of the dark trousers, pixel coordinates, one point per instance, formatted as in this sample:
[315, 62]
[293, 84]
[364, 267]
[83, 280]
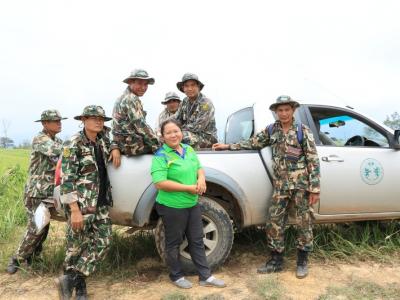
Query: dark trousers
[178, 223]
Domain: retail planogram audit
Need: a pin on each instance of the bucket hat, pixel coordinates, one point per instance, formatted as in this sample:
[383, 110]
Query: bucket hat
[186, 77]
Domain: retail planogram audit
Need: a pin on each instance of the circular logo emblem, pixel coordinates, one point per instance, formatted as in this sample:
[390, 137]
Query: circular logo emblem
[371, 171]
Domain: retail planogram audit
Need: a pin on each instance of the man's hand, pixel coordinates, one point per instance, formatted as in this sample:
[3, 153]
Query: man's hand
[76, 217]
[115, 156]
[220, 146]
[313, 198]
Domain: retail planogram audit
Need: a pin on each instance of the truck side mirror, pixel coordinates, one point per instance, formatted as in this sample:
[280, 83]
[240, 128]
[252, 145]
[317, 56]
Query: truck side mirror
[396, 139]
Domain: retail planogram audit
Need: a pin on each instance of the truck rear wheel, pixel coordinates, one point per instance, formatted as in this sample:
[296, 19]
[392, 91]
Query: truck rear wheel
[218, 236]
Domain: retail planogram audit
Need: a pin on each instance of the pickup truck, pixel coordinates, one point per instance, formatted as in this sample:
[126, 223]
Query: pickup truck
[360, 161]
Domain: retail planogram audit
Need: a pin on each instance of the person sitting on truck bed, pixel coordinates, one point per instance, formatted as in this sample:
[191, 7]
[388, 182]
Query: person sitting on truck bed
[296, 183]
[131, 134]
[179, 178]
[196, 114]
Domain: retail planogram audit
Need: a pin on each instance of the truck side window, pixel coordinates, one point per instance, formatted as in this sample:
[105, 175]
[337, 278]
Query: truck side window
[239, 126]
[344, 130]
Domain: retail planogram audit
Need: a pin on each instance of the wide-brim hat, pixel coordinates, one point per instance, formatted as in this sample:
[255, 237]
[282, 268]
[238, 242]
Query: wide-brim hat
[171, 96]
[93, 111]
[284, 100]
[139, 74]
[50, 115]
[186, 77]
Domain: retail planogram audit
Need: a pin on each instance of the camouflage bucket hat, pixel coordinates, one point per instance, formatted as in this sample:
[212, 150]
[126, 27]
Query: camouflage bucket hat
[284, 100]
[139, 74]
[186, 77]
[171, 96]
[93, 111]
[50, 115]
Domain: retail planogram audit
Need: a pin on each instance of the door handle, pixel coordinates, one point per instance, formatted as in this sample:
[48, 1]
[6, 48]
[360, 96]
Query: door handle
[332, 158]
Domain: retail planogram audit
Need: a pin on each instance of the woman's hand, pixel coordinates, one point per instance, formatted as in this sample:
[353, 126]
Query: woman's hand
[192, 189]
[201, 185]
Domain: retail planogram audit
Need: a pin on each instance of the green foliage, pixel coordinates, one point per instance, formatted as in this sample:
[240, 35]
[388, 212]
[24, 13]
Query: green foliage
[12, 183]
[393, 121]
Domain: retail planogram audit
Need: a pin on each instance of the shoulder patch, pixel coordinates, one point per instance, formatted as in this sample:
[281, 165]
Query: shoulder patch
[204, 107]
[66, 152]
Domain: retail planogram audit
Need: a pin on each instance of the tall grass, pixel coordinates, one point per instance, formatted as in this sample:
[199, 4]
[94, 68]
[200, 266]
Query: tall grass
[12, 214]
[379, 241]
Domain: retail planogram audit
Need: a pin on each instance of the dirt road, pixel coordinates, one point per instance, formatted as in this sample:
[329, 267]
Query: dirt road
[152, 282]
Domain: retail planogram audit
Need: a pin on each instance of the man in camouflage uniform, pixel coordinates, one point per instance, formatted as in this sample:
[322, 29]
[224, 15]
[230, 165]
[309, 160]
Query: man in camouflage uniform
[196, 114]
[131, 134]
[172, 102]
[46, 150]
[86, 195]
[296, 183]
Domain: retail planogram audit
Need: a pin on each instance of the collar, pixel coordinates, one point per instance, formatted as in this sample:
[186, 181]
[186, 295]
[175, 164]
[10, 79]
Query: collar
[44, 131]
[199, 96]
[86, 140]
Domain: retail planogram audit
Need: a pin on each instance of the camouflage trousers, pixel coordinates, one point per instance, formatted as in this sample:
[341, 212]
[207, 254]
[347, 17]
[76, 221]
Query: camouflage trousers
[295, 203]
[198, 141]
[88, 247]
[31, 243]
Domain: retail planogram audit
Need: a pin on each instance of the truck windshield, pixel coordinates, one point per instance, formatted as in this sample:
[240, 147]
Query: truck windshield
[239, 126]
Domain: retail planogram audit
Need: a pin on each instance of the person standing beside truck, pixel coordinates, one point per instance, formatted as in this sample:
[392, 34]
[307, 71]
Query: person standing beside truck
[196, 114]
[177, 174]
[131, 134]
[296, 183]
[86, 196]
[46, 150]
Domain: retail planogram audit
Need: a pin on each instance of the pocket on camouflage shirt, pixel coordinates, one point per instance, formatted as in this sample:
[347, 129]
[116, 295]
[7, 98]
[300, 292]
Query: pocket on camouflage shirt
[293, 153]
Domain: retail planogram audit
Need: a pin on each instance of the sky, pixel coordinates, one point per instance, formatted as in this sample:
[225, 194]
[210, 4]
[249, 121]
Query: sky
[69, 54]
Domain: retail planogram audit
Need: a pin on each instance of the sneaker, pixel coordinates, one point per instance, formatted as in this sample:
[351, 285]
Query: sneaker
[183, 283]
[214, 282]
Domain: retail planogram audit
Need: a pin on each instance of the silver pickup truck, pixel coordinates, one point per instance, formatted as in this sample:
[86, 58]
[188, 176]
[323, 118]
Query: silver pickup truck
[360, 162]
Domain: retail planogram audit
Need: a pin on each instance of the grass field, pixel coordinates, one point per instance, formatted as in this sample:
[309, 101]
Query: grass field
[12, 157]
[357, 241]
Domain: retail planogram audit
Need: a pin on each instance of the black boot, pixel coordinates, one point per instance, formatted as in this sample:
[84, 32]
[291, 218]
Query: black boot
[302, 260]
[13, 265]
[275, 264]
[65, 285]
[81, 292]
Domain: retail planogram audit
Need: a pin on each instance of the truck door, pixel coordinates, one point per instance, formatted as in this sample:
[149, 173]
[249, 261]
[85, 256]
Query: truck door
[359, 169]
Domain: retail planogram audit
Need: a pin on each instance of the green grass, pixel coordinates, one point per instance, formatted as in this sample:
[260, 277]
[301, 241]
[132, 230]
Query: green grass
[361, 290]
[11, 157]
[270, 288]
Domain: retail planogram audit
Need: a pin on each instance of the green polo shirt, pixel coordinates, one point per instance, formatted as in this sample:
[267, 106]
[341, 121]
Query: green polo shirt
[168, 164]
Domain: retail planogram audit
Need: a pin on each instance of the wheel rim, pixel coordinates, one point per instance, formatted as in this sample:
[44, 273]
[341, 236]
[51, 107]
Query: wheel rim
[210, 238]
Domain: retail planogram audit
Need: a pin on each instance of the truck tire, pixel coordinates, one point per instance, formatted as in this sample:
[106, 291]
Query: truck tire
[218, 236]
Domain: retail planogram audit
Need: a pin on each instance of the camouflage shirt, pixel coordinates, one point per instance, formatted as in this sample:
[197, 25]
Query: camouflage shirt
[164, 116]
[80, 174]
[44, 156]
[198, 117]
[295, 166]
[131, 134]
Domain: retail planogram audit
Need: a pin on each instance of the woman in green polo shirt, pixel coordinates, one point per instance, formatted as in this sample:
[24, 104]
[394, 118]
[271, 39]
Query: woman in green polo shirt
[179, 178]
